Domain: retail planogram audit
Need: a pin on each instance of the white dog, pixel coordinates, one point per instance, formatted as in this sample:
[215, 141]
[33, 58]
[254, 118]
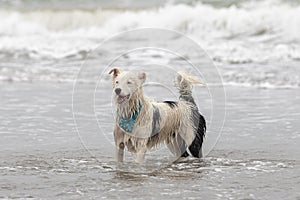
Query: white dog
[141, 124]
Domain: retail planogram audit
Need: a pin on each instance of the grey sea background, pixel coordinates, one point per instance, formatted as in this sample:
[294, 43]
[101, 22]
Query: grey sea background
[56, 118]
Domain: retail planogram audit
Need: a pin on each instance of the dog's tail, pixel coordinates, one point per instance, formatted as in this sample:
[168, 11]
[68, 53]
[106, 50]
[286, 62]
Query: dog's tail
[184, 82]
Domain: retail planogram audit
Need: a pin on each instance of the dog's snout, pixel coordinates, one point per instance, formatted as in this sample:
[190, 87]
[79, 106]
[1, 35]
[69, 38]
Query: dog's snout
[117, 91]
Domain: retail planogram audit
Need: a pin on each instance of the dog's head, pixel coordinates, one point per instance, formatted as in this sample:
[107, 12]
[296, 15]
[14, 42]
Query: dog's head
[126, 84]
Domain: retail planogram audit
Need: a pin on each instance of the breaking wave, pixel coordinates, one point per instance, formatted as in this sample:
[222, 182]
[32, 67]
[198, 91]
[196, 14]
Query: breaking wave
[259, 21]
[255, 32]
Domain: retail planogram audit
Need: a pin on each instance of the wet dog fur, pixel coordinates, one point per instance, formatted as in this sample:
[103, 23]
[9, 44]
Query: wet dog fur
[178, 124]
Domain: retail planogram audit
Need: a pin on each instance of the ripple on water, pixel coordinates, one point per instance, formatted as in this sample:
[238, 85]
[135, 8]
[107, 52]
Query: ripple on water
[74, 175]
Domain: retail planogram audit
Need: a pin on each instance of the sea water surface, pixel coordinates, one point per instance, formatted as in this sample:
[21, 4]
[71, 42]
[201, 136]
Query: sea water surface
[55, 146]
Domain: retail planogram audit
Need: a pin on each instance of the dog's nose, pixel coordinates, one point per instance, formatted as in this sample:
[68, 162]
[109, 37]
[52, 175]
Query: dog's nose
[117, 91]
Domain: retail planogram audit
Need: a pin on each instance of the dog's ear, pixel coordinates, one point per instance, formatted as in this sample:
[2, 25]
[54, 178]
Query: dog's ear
[115, 72]
[142, 76]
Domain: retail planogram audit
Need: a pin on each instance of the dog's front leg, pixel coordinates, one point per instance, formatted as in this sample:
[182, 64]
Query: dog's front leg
[119, 152]
[140, 155]
[119, 144]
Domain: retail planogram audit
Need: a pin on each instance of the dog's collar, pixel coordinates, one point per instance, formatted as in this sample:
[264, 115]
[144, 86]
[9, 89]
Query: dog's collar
[128, 124]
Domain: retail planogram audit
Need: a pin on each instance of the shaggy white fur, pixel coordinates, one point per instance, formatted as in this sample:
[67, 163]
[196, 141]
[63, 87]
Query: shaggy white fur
[156, 122]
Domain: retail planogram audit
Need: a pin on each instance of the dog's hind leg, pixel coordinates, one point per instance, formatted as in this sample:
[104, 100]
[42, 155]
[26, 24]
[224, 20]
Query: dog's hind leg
[177, 146]
[200, 128]
[119, 144]
[193, 138]
[196, 147]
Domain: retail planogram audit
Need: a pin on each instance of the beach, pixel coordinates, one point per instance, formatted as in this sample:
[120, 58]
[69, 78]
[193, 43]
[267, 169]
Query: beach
[56, 122]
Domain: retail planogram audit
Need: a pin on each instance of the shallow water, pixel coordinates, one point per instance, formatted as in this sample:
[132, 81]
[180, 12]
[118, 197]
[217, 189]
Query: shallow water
[77, 175]
[42, 157]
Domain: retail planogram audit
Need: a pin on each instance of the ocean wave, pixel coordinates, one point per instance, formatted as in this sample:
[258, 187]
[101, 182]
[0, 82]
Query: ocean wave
[264, 84]
[258, 18]
[262, 25]
[276, 77]
[263, 76]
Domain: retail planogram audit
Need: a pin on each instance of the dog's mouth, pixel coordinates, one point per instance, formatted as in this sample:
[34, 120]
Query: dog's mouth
[121, 99]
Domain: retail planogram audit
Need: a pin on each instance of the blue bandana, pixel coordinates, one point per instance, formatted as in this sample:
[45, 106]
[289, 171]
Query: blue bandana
[128, 124]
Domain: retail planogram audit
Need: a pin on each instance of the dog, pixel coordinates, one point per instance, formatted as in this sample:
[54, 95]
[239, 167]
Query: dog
[141, 123]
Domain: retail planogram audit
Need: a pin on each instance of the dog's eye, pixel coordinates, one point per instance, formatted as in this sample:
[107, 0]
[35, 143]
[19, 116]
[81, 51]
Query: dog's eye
[117, 82]
[129, 82]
